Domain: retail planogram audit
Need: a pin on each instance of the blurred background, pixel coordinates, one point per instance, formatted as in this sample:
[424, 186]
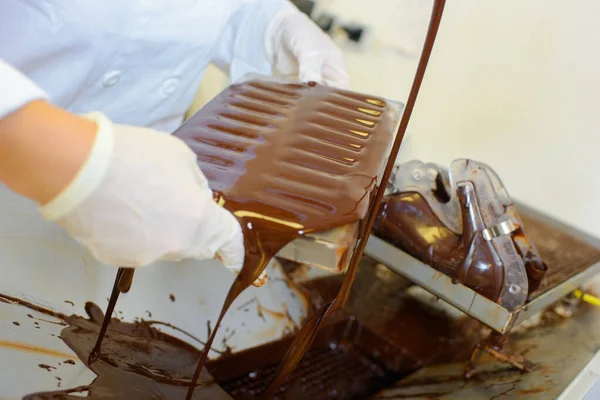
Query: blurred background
[511, 83]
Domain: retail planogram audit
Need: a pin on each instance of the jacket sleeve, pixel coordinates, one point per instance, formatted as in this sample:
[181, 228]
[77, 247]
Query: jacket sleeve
[16, 90]
[241, 48]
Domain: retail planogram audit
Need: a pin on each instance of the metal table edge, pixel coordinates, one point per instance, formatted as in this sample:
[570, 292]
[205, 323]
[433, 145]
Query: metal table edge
[462, 297]
[547, 298]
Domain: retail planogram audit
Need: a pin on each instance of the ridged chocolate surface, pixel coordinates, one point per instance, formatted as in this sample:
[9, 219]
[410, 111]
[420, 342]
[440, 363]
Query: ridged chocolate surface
[304, 153]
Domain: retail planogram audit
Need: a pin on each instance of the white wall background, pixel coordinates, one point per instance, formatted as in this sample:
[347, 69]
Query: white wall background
[512, 83]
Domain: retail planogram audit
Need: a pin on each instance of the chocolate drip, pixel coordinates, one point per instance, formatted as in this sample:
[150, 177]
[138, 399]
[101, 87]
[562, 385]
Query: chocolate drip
[536, 269]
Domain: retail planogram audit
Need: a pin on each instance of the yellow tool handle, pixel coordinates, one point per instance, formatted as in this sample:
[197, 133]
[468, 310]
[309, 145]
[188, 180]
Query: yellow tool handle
[588, 298]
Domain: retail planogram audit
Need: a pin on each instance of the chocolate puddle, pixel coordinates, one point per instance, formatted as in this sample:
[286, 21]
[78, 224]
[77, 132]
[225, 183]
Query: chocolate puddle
[387, 335]
[138, 362]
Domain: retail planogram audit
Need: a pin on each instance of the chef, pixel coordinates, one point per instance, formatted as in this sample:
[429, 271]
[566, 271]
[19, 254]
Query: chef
[89, 89]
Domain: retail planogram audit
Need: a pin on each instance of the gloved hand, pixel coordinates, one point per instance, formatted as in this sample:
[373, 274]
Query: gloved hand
[141, 198]
[298, 47]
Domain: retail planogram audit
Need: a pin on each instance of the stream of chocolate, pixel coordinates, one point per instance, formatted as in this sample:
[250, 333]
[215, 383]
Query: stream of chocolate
[308, 331]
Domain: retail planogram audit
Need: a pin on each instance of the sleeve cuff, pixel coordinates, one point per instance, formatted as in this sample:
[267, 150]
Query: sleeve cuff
[91, 173]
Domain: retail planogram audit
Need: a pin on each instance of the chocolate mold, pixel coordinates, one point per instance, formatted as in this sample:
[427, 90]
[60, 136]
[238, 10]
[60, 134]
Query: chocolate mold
[464, 224]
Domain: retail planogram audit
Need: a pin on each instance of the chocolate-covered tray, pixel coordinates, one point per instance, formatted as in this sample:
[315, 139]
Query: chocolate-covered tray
[320, 140]
[571, 255]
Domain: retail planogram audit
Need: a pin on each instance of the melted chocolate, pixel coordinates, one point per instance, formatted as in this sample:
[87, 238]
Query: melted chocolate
[138, 362]
[13, 300]
[565, 254]
[288, 159]
[126, 280]
[383, 335]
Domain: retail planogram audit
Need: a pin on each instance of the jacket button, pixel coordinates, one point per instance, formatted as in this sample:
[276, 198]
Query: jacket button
[111, 78]
[170, 86]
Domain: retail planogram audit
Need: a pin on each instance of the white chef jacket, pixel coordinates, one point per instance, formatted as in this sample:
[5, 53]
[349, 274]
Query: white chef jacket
[138, 61]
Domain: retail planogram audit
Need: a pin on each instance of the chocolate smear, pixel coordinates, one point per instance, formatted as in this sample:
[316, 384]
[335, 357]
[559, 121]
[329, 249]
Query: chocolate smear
[137, 362]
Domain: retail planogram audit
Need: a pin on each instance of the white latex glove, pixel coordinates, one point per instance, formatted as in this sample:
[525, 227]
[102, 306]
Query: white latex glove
[298, 47]
[141, 198]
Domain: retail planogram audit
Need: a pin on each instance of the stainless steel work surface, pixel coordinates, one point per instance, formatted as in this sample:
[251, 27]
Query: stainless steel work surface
[560, 349]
